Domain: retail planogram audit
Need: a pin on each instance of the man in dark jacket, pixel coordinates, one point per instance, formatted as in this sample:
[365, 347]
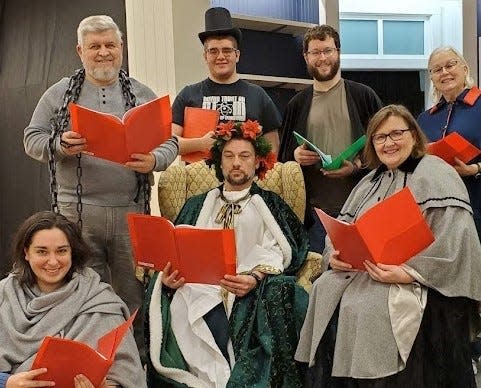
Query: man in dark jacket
[332, 114]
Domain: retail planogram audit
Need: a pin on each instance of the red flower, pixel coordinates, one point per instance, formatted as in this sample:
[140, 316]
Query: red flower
[250, 129]
[265, 164]
[224, 130]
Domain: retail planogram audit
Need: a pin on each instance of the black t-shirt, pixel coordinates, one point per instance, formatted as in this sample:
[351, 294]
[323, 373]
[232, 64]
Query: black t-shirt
[238, 101]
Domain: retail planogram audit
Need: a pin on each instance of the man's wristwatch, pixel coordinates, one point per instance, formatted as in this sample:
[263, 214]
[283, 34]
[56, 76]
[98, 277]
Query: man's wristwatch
[478, 174]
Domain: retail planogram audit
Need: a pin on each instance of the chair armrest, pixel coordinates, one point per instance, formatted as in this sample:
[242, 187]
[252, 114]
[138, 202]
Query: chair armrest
[310, 270]
[172, 191]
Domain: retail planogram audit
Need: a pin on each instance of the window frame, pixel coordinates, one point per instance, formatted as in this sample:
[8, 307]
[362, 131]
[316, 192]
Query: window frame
[388, 61]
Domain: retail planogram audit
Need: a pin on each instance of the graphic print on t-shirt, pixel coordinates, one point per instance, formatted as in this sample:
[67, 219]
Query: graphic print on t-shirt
[231, 108]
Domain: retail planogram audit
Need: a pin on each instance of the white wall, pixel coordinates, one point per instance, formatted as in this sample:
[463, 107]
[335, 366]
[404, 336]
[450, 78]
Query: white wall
[470, 36]
[164, 50]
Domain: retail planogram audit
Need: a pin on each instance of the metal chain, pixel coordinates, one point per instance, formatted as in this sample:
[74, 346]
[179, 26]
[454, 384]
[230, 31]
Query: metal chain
[142, 179]
[79, 190]
[143, 184]
[58, 123]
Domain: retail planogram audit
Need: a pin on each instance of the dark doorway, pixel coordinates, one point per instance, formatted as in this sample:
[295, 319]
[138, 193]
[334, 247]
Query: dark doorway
[393, 87]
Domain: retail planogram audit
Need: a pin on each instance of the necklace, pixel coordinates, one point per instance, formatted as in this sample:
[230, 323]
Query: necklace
[228, 210]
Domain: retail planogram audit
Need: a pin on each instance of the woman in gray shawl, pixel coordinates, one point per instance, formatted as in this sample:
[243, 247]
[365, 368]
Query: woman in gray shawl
[406, 325]
[51, 292]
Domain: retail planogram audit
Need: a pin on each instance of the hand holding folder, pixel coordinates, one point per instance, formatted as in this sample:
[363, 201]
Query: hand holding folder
[65, 358]
[328, 162]
[200, 255]
[140, 130]
[454, 146]
[198, 122]
[390, 232]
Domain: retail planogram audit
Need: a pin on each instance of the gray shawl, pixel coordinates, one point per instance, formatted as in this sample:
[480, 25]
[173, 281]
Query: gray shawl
[84, 309]
[378, 322]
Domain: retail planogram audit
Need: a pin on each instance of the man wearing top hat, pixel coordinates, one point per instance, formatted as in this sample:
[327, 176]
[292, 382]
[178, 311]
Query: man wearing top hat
[235, 99]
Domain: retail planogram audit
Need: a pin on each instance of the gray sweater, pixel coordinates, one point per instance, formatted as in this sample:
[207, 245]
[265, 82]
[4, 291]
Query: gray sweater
[104, 183]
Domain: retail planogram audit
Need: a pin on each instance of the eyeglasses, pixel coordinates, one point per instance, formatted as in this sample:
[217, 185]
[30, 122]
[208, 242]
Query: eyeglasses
[226, 51]
[326, 52]
[448, 67]
[395, 135]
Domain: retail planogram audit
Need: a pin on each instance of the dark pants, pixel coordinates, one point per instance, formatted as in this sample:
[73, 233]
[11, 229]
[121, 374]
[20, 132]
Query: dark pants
[317, 234]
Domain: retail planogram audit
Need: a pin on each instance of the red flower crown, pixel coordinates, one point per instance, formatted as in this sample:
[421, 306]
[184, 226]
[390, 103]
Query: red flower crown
[249, 130]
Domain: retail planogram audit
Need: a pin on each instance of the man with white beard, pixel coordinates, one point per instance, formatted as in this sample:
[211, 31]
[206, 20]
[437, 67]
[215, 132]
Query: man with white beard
[95, 191]
[332, 114]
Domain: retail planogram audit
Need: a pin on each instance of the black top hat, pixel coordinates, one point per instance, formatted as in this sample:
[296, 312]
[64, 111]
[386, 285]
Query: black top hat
[218, 22]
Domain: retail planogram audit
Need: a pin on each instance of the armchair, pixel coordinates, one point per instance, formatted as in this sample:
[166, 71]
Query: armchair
[178, 183]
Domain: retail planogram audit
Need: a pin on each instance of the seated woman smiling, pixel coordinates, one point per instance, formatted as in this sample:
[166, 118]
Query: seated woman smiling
[51, 292]
[406, 325]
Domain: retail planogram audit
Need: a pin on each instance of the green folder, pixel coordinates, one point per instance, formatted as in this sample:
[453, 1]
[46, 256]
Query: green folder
[327, 162]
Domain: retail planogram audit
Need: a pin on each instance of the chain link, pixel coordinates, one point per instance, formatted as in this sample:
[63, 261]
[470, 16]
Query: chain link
[60, 122]
[79, 190]
[143, 183]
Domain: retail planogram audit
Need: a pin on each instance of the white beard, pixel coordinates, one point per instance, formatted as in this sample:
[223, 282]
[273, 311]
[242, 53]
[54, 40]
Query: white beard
[104, 74]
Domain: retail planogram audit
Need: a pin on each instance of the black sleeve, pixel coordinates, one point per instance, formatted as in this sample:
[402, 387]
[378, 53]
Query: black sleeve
[178, 107]
[372, 104]
[288, 143]
[271, 118]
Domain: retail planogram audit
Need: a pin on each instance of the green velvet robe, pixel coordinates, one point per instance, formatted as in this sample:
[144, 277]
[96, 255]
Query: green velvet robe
[264, 325]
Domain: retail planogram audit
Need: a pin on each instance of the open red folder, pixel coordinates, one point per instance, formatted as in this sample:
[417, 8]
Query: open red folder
[201, 255]
[140, 130]
[65, 358]
[197, 122]
[454, 145]
[391, 232]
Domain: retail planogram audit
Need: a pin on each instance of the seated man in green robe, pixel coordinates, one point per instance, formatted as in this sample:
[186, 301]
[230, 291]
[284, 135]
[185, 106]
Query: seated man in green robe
[244, 331]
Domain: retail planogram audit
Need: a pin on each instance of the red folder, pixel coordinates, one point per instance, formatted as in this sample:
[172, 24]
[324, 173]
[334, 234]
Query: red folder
[454, 145]
[391, 232]
[197, 122]
[65, 358]
[140, 130]
[201, 255]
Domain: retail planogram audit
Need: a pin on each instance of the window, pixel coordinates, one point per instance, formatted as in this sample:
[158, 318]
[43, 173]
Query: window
[382, 36]
[358, 36]
[403, 37]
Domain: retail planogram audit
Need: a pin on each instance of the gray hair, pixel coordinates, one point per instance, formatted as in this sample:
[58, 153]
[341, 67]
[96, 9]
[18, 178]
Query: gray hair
[96, 23]
[468, 80]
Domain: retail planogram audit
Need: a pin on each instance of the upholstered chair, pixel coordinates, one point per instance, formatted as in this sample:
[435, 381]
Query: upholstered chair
[180, 182]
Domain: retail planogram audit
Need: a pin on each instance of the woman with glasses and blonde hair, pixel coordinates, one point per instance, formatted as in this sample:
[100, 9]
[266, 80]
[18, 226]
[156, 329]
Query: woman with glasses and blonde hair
[457, 109]
[398, 325]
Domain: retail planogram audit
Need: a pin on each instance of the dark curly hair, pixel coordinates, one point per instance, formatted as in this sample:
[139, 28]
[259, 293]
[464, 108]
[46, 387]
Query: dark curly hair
[250, 131]
[24, 236]
[322, 32]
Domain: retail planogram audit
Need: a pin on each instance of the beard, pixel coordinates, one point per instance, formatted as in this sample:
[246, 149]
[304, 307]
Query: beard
[238, 181]
[103, 74]
[314, 71]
